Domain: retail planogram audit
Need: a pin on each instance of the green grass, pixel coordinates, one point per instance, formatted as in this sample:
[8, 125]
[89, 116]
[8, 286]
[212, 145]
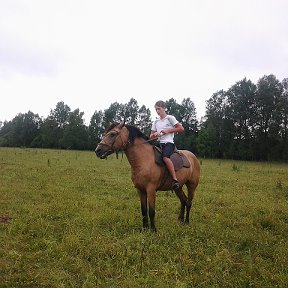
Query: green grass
[69, 219]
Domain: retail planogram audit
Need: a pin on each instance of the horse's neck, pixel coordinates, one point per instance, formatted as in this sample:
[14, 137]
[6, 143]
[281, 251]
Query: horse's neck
[139, 152]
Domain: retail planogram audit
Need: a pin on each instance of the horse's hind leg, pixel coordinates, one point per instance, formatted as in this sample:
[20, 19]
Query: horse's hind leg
[191, 189]
[183, 200]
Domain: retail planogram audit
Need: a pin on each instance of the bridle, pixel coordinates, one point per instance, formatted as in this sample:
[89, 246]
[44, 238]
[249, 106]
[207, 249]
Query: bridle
[124, 145]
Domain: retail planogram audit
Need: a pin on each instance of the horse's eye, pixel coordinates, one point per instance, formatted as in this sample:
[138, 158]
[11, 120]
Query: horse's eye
[113, 135]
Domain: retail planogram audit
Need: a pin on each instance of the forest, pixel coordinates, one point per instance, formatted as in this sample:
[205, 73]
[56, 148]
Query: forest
[247, 122]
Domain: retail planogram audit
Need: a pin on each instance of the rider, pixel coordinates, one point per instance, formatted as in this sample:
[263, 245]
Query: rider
[164, 128]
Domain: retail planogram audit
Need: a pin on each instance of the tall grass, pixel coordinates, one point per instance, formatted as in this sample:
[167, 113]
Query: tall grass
[69, 219]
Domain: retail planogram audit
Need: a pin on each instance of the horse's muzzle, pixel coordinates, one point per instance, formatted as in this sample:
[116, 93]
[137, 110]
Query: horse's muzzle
[102, 153]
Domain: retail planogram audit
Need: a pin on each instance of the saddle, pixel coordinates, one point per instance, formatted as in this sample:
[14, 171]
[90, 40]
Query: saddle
[178, 159]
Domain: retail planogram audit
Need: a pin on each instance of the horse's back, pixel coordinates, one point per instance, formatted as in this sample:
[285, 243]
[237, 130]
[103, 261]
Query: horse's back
[190, 156]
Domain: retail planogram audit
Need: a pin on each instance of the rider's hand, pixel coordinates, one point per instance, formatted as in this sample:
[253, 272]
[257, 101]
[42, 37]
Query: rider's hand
[154, 135]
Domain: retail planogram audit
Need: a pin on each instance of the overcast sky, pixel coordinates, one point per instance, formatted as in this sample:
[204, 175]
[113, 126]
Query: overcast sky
[92, 53]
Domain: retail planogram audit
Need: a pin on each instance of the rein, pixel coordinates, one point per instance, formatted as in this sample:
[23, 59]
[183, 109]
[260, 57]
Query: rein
[147, 141]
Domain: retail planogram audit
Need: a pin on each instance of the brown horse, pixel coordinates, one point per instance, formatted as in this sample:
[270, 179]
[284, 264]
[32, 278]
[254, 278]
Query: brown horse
[147, 176]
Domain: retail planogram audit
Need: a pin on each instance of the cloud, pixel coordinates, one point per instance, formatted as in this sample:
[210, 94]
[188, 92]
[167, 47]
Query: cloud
[90, 54]
[26, 41]
[17, 57]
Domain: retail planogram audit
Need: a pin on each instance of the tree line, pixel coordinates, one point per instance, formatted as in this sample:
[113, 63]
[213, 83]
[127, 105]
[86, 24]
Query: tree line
[247, 122]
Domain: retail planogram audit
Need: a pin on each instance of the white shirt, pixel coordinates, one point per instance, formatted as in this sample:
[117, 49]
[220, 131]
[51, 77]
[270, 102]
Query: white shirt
[162, 124]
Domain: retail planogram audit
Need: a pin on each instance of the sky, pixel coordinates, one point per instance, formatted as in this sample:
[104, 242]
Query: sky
[90, 54]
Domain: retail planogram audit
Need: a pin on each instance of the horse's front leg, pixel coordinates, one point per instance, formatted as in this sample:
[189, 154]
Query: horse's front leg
[143, 201]
[151, 194]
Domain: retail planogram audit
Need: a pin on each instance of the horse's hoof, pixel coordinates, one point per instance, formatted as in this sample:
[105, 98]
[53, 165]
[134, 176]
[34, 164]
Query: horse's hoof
[181, 220]
[153, 229]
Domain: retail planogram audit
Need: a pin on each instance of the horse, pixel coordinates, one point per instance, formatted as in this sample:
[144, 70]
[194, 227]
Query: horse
[147, 176]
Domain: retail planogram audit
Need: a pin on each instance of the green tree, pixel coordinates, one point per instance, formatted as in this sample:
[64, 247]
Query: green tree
[284, 120]
[240, 110]
[131, 112]
[207, 141]
[60, 114]
[143, 121]
[188, 118]
[52, 130]
[75, 133]
[49, 134]
[217, 108]
[188, 115]
[31, 127]
[96, 128]
[6, 134]
[21, 131]
[115, 113]
[267, 116]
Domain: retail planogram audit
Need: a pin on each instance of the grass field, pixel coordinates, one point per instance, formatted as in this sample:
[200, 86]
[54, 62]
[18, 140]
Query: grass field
[69, 219]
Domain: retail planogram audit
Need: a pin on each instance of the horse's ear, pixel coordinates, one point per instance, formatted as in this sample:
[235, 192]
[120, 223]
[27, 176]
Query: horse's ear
[121, 125]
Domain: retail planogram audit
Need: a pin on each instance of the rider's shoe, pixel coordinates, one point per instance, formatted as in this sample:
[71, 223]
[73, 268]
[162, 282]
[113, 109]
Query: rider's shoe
[175, 185]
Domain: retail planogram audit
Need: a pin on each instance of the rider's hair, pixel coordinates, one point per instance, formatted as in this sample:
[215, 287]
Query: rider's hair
[160, 103]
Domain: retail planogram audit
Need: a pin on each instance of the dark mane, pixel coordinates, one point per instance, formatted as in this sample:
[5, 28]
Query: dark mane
[135, 132]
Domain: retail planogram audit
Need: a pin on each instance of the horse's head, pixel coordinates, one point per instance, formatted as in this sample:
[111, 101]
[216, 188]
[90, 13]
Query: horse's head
[114, 139]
